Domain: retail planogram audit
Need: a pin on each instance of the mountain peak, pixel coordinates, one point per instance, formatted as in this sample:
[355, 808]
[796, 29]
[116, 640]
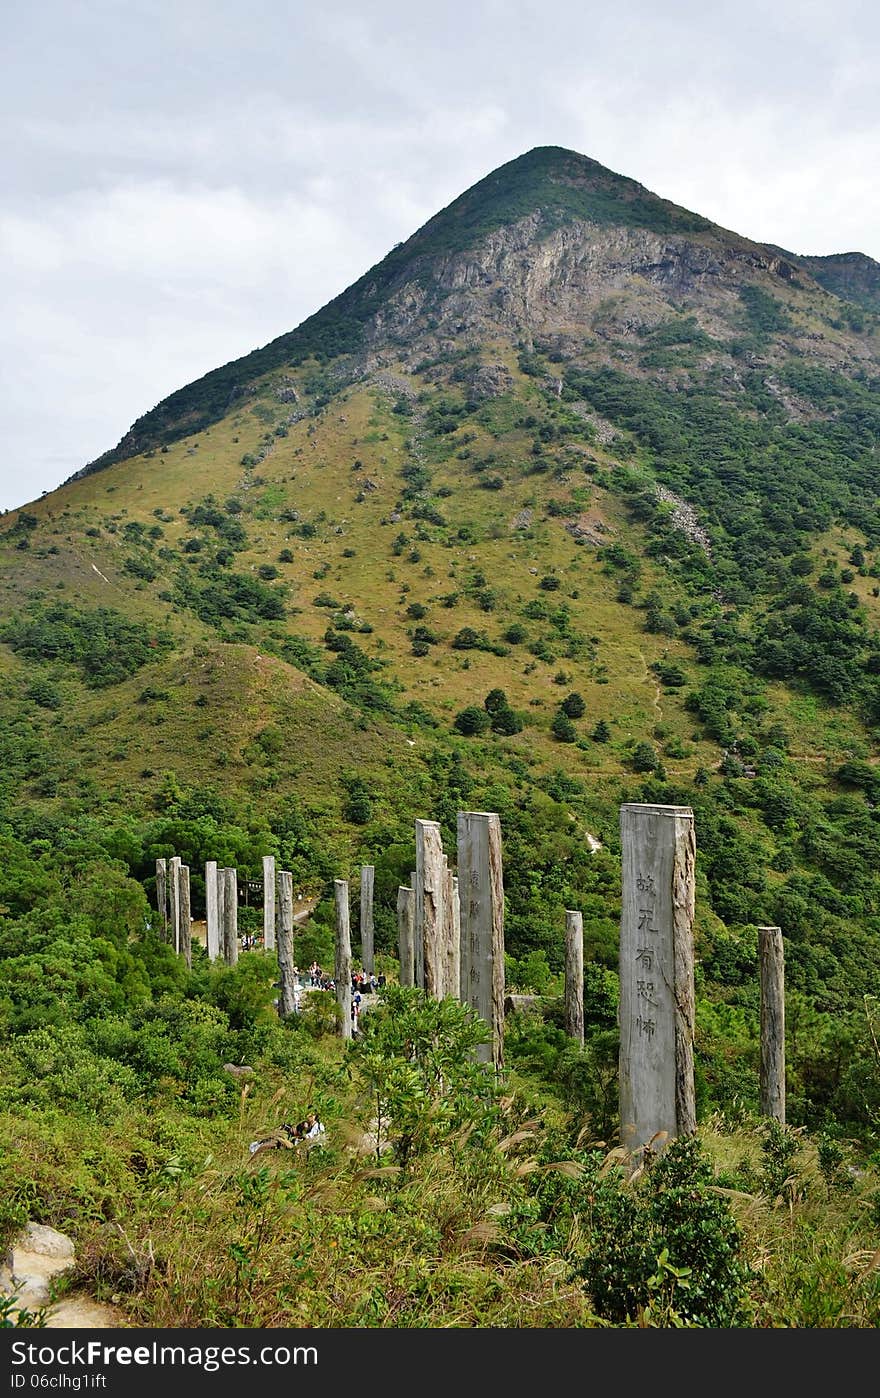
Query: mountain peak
[560, 184]
[531, 248]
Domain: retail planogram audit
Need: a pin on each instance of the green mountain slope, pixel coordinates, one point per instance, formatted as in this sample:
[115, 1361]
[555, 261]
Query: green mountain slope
[571, 500]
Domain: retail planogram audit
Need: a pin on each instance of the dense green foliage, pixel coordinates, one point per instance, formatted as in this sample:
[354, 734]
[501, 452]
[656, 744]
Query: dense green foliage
[131, 1134]
[103, 645]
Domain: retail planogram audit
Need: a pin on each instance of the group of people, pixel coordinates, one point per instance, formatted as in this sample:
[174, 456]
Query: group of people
[288, 1136]
[366, 984]
[362, 984]
[319, 979]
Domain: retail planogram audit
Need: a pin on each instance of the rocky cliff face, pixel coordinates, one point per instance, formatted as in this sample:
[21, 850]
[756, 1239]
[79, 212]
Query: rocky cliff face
[525, 281]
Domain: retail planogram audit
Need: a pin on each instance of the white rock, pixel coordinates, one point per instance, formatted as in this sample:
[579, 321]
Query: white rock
[48, 1242]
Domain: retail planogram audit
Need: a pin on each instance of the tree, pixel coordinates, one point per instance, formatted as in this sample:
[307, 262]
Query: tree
[644, 758]
[471, 720]
[506, 721]
[496, 699]
[563, 729]
[415, 1063]
[601, 733]
[573, 705]
[358, 807]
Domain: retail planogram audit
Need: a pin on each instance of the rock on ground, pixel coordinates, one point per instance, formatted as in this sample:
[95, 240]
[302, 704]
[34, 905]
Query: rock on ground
[37, 1255]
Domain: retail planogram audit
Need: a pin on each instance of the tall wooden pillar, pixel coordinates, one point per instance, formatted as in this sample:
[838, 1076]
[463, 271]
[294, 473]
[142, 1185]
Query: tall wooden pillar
[656, 976]
[405, 925]
[368, 875]
[342, 962]
[481, 893]
[451, 937]
[772, 967]
[174, 902]
[162, 896]
[212, 910]
[429, 915]
[269, 902]
[185, 917]
[230, 915]
[287, 998]
[574, 975]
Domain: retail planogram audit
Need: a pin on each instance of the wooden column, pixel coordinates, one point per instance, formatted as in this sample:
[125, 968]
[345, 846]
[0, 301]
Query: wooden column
[221, 914]
[658, 847]
[185, 917]
[212, 910]
[405, 923]
[287, 998]
[772, 966]
[456, 932]
[574, 975]
[430, 899]
[368, 876]
[269, 902]
[342, 964]
[174, 902]
[162, 896]
[481, 893]
[230, 915]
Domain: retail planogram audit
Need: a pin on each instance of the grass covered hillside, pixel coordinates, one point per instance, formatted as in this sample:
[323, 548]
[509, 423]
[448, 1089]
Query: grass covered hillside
[572, 501]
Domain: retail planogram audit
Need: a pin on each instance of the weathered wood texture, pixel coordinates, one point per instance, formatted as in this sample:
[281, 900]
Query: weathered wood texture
[772, 1072]
[452, 917]
[269, 902]
[287, 998]
[368, 875]
[212, 911]
[481, 895]
[342, 963]
[162, 895]
[406, 899]
[574, 975]
[185, 916]
[656, 976]
[221, 913]
[230, 915]
[429, 913]
[174, 901]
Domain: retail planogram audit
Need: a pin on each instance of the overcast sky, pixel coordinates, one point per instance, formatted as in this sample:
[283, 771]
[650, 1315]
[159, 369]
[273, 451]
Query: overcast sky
[186, 179]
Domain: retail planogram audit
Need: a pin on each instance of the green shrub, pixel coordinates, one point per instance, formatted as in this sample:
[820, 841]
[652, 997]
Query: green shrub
[471, 720]
[573, 705]
[563, 729]
[667, 1247]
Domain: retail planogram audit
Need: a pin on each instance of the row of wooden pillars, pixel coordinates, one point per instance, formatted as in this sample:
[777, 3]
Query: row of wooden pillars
[221, 907]
[450, 927]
